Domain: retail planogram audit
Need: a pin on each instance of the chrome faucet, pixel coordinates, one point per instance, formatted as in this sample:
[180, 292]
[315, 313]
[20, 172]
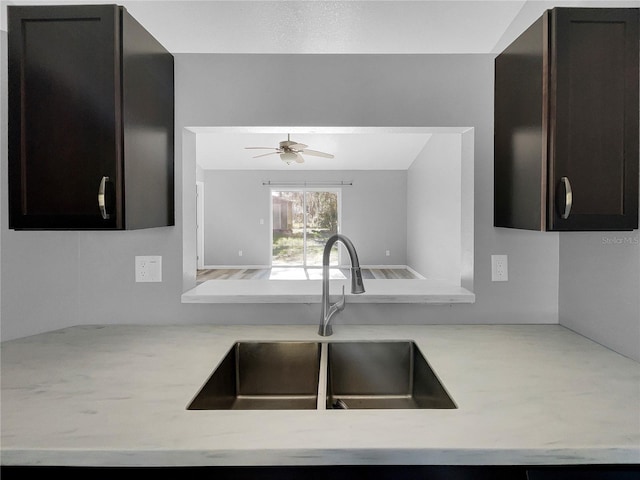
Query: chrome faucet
[328, 309]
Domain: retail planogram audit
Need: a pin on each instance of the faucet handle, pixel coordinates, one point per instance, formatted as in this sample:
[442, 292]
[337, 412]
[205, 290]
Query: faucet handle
[325, 326]
[340, 303]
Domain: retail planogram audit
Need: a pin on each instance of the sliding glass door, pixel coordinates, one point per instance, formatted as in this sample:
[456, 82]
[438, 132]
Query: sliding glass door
[302, 221]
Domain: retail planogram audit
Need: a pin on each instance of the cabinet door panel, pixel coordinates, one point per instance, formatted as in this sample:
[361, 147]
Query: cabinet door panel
[64, 134]
[594, 98]
[595, 120]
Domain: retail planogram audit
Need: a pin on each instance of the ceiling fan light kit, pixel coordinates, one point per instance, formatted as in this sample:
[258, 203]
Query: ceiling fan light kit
[290, 157]
[290, 152]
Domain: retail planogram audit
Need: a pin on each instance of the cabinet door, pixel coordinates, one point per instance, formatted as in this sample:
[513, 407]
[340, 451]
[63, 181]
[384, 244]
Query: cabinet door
[64, 110]
[594, 120]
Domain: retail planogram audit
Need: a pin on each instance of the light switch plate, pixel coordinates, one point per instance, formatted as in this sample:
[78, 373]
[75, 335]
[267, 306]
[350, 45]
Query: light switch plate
[149, 268]
[499, 268]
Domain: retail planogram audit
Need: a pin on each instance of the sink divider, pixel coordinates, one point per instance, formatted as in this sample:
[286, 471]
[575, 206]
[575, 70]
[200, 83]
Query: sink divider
[322, 377]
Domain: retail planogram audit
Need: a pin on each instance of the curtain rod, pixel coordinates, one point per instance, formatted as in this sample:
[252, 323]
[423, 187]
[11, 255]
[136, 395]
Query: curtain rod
[307, 184]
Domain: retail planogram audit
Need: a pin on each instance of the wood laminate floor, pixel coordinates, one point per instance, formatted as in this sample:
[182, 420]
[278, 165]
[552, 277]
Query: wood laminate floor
[293, 273]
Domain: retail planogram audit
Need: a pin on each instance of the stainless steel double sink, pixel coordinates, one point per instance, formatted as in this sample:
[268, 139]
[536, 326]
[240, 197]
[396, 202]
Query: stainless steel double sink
[322, 375]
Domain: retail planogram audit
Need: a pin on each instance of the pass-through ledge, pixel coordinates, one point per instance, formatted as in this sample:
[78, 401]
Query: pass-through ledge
[310, 291]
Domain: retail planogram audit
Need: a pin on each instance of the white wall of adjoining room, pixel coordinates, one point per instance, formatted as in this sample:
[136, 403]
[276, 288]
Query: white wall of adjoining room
[434, 214]
[373, 213]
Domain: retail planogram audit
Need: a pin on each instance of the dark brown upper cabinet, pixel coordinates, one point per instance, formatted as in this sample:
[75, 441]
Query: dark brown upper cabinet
[91, 120]
[566, 123]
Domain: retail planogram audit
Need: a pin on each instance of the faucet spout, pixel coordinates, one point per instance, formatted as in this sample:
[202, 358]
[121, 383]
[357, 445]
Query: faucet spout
[357, 285]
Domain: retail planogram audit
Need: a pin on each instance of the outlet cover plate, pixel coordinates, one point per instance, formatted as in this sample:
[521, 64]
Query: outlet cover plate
[499, 268]
[149, 268]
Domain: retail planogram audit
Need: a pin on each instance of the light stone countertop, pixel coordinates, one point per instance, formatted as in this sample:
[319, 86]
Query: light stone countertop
[117, 395]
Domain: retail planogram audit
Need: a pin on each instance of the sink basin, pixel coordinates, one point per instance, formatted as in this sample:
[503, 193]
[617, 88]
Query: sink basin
[286, 376]
[382, 375]
[263, 376]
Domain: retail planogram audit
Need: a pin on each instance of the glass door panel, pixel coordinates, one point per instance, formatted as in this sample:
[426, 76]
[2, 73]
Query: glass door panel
[287, 247]
[321, 223]
[303, 221]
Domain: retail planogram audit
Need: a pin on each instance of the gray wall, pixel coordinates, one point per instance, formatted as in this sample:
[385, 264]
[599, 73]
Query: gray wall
[379, 90]
[234, 203]
[88, 277]
[600, 288]
[373, 214]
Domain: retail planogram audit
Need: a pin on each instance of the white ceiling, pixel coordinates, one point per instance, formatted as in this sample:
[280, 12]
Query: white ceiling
[330, 26]
[352, 151]
[340, 27]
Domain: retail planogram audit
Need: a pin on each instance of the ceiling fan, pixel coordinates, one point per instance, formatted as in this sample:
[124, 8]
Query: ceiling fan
[290, 151]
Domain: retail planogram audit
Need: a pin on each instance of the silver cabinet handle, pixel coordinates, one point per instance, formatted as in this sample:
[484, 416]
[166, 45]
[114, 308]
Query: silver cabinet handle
[101, 198]
[568, 198]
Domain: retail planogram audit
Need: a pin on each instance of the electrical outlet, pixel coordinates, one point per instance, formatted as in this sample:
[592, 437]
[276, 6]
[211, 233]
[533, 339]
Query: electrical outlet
[387, 253]
[149, 268]
[499, 268]
[239, 253]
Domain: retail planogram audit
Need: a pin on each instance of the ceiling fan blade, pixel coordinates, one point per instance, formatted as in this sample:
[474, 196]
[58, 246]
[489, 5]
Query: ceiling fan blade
[316, 153]
[298, 146]
[299, 158]
[266, 154]
[261, 148]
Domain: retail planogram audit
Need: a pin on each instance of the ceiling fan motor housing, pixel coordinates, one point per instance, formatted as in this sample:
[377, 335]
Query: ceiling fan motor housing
[290, 151]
